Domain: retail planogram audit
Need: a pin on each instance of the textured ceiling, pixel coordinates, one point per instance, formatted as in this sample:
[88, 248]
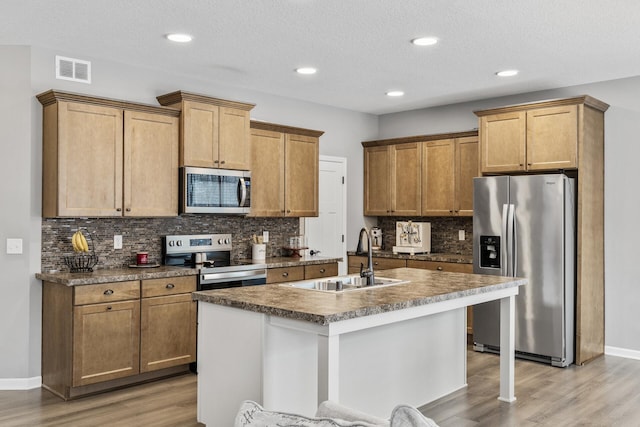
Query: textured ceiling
[360, 47]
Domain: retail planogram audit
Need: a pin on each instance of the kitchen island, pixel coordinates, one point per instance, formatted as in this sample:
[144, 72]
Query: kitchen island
[370, 349]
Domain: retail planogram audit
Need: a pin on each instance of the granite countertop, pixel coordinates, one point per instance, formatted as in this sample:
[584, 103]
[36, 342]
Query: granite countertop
[438, 257]
[108, 275]
[425, 287]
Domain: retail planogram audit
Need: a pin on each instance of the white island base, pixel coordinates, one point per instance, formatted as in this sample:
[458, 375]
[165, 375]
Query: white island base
[371, 363]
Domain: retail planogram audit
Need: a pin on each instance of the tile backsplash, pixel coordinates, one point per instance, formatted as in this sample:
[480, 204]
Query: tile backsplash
[145, 234]
[444, 233]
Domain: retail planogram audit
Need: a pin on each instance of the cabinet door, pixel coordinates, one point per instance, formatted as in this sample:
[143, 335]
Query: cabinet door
[89, 162]
[466, 170]
[106, 341]
[267, 173]
[199, 143]
[168, 332]
[552, 138]
[316, 271]
[234, 139]
[406, 164]
[502, 142]
[377, 189]
[150, 164]
[438, 184]
[301, 175]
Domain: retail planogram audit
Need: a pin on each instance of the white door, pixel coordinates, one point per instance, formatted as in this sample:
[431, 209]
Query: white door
[326, 233]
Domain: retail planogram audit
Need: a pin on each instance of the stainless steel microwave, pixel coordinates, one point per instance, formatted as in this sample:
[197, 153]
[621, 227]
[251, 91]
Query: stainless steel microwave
[205, 190]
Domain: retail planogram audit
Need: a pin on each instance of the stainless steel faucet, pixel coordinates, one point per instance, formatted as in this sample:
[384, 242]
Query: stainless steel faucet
[368, 273]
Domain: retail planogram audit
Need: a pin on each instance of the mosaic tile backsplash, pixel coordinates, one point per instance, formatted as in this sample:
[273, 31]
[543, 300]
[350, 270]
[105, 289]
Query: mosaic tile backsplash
[444, 233]
[145, 234]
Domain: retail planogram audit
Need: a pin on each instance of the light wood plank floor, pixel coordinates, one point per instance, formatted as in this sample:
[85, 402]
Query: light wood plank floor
[605, 392]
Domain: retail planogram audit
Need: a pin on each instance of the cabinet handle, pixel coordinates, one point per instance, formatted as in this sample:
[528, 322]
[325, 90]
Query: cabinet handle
[109, 307]
[118, 209]
[288, 210]
[170, 286]
[375, 263]
[439, 268]
[521, 164]
[216, 161]
[528, 164]
[222, 162]
[128, 209]
[285, 274]
[108, 292]
[450, 211]
[456, 211]
[322, 270]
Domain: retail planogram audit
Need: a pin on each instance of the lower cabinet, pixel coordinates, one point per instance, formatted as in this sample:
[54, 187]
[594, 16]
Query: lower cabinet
[379, 263]
[102, 336]
[301, 272]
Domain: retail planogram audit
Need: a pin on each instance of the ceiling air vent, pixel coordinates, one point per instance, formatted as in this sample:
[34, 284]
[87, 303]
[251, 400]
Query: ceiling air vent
[72, 69]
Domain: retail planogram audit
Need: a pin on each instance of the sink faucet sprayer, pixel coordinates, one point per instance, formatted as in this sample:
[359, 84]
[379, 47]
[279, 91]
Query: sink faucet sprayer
[368, 273]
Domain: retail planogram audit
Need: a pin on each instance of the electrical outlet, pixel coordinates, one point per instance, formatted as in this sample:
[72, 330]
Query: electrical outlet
[265, 237]
[461, 235]
[117, 241]
[14, 246]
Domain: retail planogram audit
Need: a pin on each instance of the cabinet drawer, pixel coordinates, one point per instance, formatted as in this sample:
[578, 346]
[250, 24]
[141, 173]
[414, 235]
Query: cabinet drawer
[378, 263]
[452, 267]
[320, 270]
[285, 274]
[168, 286]
[106, 292]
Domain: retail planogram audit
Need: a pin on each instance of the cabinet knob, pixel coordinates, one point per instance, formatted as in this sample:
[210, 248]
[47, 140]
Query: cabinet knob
[128, 209]
[288, 210]
[170, 286]
[108, 292]
[439, 268]
[521, 164]
[285, 274]
[456, 211]
[216, 161]
[118, 209]
[222, 162]
[322, 270]
[450, 211]
[528, 164]
[375, 263]
[109, 307]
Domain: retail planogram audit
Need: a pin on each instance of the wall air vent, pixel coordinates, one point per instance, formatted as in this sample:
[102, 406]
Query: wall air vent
[72, 69]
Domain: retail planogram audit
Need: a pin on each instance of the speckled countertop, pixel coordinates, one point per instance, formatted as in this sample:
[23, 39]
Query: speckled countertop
[425, 287]
[124, 274]
[439, 257]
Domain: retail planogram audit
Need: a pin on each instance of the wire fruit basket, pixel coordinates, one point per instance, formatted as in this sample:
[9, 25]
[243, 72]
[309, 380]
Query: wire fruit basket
[83, 262]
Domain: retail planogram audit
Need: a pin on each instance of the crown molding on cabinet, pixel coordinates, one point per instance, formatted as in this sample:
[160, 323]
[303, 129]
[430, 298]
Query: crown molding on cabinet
[419, 138]
[179, 96]
[285, 129]
[584, 99]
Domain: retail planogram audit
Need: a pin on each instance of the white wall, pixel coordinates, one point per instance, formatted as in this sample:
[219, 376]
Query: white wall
[28, 71]
[622, 175]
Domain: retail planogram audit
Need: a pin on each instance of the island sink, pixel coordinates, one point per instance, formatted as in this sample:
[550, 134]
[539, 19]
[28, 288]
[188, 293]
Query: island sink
[349, 283]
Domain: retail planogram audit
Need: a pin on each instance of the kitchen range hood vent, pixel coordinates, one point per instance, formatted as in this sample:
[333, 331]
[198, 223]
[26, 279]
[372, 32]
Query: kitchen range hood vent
[72, 69]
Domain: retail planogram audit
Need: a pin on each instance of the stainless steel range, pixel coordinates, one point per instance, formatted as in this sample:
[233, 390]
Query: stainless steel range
[211, 254]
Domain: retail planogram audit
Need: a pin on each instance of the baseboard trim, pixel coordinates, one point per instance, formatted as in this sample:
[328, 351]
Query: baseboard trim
[20, 383]
[621, 352]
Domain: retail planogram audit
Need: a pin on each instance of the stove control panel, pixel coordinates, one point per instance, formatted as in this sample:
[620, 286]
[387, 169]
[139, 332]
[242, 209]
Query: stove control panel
[197, 243]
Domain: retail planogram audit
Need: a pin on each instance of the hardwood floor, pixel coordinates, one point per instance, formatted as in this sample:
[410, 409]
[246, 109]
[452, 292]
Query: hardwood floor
[605, 392]
[170, 402]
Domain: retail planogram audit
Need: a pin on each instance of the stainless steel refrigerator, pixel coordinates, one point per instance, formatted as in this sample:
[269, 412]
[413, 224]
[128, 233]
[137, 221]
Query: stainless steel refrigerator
[524, 226]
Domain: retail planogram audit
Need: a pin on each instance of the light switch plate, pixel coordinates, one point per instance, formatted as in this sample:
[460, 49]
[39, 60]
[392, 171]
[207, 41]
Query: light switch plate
[117, 241]
[265, 237]
[14, 246]
[461, 235]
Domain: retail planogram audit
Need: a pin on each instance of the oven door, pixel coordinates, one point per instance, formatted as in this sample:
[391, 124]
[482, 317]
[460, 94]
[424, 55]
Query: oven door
[231, 279]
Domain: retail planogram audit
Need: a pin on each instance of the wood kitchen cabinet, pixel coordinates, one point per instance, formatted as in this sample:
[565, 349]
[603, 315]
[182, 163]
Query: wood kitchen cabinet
[392, 179]
[168, 323]
[301, 272]
[555, 135]
[108, 158]
[284, 170]
[449, 166]
[101, 336]
[379, 263]
[214, 133]
[542, 136]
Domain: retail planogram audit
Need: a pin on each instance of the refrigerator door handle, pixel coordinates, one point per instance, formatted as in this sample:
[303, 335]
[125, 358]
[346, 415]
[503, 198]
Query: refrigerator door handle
[504, 253]
[512, 240]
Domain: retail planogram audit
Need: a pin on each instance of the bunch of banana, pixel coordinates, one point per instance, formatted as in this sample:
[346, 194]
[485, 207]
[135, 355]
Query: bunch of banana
[79, 242]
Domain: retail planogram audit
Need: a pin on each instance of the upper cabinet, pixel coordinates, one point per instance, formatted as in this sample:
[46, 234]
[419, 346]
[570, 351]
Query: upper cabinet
[284, 170]
[425, 175]
[103, 157]
[449, 166]
[214, 133]
[392, 179]
[543, 136]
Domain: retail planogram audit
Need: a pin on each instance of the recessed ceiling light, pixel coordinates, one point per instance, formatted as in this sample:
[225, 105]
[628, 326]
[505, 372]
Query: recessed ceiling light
[425, 41]
[180, 38]
[507, 73]
[395, 93]
[306, 70]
